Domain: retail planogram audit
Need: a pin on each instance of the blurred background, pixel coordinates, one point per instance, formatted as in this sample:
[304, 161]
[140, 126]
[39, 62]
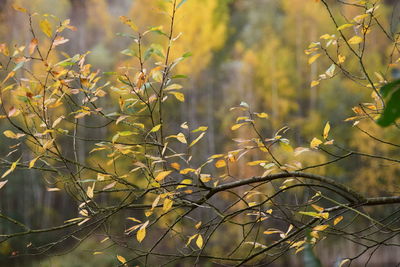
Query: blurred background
[242, 50]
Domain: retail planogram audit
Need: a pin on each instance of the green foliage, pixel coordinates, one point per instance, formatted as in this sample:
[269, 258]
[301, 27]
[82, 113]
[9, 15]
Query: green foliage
[391, 112]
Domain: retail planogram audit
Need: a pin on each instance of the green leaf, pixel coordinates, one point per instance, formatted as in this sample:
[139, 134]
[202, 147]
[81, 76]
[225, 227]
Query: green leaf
[386, 89]
[128, 52]
[187, 54]
[392, 109]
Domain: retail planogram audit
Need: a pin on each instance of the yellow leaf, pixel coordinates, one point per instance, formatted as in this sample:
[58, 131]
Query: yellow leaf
[12, 168]
[197, 226]
[360, 18]
[141, 233]
[314, 83]
[200, 129]
[173, 87]
[324, 215]
[90, 191]
[220, 163]
[315, 143]
[343, 262]
[197, 139]
[320, 227]
[176, 165]
[344, 26]
[325, 36]
[337, 220]
[167, 204]
[256, 162]
[45, 26]
[237, 126]
[262, 115]
[341, 59]
[19, 8]
[57, 121]
[33, 161]
[155, 202]
[216, 156]
[155, 128]
[191, 238]
[184, 183]
[199, 241]
[134, 219]
[181, 138]
[121, 259]
[187, 170]
[128, 22]
[355, 40]
[317, 208]
[10, 134]
[313, 58]
[161, 176]
[205, 178]
[9, 75]
[179, 96]
[326, 130]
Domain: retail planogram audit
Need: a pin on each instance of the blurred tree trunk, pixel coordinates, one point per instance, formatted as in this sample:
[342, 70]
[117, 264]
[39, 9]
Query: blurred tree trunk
[78, 17]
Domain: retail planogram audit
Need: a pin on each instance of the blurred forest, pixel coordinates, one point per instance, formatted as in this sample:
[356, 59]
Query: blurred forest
[242, 50]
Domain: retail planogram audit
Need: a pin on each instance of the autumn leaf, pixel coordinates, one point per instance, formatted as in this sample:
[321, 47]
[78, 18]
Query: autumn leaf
[32, 45]
[337, 220]
[324, 215]
[175, 165]
[355, 40]
[128, 22]
[220, 163]
[167, 204]
[344, 26]
[11, 169]
[173, 87]
[313, 58]
[197, 139]
[33, 161]
[320, 228]
[184, 183]
[262, 115]
[331, 70]
[179, 96]
[341, 59]
[141, 233]
[90, 191]
[121, 259]
[161, 175]
[46, 28]
[155, 128]
[326, 130]
[19, 8]
[59, 41]
[199, 241]
[12, 135]
[3, 183]
[315, 142]
[237, 126]
[314, 83]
